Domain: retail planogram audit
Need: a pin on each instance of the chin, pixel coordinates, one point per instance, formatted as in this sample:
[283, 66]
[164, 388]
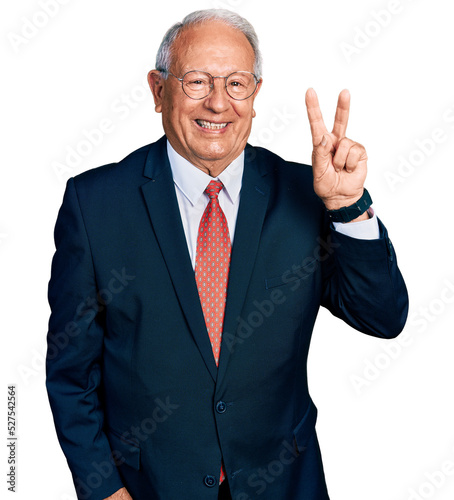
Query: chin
[213, 153]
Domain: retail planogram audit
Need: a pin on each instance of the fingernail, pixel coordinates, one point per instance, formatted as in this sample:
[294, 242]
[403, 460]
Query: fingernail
[323, 141]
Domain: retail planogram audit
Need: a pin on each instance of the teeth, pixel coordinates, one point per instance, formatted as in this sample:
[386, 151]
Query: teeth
[211, 126]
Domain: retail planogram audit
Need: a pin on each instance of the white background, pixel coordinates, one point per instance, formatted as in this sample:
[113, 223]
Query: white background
[385, 417]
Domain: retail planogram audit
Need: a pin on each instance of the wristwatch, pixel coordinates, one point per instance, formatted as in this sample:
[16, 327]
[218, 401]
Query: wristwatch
[347, 214]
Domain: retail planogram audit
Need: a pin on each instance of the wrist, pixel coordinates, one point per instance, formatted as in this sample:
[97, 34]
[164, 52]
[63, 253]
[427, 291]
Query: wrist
[354, 212]
[368, 214]
[339, 202]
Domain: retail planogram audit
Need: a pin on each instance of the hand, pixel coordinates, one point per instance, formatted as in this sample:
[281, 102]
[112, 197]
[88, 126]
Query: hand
[339, 164]
[121, 494]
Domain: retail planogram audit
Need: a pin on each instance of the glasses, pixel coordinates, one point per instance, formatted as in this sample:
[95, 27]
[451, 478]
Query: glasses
[199, 84]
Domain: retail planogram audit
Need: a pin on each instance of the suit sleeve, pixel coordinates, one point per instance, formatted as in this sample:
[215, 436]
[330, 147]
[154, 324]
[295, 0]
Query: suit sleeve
[73, 365]
[363, 284]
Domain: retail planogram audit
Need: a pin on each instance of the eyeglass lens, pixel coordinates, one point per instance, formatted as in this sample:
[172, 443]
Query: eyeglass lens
[239, 85]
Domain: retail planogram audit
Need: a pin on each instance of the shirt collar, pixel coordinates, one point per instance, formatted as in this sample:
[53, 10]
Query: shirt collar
[192, 182]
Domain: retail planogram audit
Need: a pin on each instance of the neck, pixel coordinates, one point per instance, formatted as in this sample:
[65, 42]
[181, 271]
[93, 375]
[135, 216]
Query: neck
[213, 169]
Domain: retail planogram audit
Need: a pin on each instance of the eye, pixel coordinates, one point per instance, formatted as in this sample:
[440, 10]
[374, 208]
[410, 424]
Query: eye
[197, 81]
[236, 83]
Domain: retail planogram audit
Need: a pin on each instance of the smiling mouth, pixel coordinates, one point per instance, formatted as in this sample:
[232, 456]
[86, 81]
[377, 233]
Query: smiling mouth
[211, 125]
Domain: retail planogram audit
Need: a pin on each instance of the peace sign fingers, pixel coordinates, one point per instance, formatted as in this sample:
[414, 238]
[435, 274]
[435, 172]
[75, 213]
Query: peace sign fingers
[314, 113]
[342, 113]
[318, 127]
[339, 164]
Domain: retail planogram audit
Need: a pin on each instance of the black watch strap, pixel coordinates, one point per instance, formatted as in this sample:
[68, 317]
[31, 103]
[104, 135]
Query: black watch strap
[347, 214]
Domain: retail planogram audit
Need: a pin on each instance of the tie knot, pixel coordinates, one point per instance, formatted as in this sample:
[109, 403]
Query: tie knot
[213, 189]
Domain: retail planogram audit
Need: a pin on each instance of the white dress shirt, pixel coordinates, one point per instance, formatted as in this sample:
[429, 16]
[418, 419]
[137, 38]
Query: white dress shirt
[191, 182]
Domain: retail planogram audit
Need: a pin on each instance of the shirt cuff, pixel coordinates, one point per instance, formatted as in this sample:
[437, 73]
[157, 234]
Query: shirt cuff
[362, 230]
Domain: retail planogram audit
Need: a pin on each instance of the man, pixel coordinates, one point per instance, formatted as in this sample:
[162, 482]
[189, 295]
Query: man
[187, 280]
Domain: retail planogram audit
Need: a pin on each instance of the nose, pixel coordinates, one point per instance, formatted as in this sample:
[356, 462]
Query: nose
[218, 100]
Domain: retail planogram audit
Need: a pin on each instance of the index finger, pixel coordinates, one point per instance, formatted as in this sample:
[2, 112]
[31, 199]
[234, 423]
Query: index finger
[342, 113]
[314, 113]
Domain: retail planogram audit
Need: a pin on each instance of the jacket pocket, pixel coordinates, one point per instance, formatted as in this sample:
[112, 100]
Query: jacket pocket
[305, 428]
[124, 450]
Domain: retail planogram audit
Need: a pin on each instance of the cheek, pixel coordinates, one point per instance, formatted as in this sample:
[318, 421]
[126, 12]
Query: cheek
[182, 114]
[245, 111]
[174, 117]
[245, 120]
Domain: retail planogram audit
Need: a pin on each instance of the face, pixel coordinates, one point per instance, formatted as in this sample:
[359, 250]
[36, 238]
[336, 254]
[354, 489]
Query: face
[211, 132]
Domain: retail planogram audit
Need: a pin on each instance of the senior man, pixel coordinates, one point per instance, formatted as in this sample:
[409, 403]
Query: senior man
[186, 283]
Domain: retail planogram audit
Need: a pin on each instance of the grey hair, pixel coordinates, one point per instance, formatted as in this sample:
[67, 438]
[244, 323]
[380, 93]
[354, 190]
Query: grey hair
[164, 55]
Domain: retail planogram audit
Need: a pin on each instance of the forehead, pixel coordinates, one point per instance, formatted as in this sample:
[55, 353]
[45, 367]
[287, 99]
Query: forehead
[212, 46]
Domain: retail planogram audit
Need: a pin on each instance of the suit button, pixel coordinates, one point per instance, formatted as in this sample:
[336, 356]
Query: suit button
[221, 407]
[209, 481]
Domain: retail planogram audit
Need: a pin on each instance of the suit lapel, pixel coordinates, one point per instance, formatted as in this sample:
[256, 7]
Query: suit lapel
[161, 201]
[162, 205]
[255, 192]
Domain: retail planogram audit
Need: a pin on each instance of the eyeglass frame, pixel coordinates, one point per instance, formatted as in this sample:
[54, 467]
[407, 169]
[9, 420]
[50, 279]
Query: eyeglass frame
[257, 81]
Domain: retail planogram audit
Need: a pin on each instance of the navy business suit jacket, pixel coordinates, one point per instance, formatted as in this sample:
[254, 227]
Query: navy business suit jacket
[130, 371]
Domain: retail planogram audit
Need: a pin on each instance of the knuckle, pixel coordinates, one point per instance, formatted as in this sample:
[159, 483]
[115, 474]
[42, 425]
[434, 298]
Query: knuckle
[359, 148]
[351, 163]
[346, 142]
[354, 154]
[338, 162]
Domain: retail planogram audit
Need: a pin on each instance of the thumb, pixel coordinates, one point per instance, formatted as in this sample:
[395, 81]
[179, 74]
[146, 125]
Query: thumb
[324, 148]
[322, 152]
[321, 156]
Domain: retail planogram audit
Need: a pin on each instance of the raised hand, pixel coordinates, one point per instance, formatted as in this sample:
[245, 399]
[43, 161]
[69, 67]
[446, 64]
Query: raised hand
[338, 163]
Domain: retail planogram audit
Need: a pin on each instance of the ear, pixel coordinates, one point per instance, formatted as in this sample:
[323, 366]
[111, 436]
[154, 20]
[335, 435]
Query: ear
[156, 83]
[259, 85]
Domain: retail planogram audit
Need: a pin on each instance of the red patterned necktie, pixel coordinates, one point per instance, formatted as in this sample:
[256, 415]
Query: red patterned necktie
[212, 265]
[212, 269]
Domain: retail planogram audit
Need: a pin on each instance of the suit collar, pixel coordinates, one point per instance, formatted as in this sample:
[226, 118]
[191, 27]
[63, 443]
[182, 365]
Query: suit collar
[156, 162]
[192, 182]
